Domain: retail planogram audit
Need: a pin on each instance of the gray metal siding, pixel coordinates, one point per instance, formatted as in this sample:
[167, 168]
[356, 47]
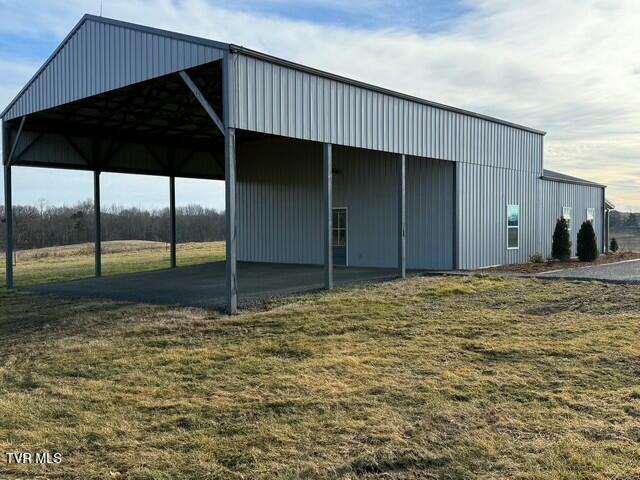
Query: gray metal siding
[365, 182]
[281, 100]
[280, 202]
[554, 196]
[430, 214]
[279, 198]
[132, 157]
[51, 147]
[483, 195]
[100, 57]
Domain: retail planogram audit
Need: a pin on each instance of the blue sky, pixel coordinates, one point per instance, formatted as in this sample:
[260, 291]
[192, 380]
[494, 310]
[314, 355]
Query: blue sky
[569, 67]
[416, 15]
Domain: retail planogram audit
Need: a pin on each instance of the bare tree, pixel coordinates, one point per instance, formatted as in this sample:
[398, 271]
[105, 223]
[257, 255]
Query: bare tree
[44, 225]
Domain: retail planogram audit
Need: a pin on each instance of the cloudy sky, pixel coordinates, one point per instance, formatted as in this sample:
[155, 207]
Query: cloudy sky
[569, 67]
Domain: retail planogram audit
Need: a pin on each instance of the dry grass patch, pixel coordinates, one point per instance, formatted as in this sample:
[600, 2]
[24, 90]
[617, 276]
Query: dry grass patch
[56, 264]
[425, 378]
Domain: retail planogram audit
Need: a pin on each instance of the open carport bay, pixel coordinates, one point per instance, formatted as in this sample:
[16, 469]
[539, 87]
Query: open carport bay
[204, 285]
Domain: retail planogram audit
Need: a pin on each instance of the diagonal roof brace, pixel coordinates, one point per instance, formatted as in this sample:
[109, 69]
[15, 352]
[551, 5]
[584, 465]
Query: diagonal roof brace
[77, 149]
[16, 140]
[33, 141]
[203, 101]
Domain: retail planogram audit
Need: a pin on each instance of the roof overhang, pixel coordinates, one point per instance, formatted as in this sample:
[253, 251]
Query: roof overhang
[202, 51]
[102, 54]
[113, 91]
[562, 178]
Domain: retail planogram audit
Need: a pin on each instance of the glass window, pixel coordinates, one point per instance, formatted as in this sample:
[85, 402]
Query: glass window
[339, 227]
[591, 214]
[513, 226]
[566, 214]
[336, 238]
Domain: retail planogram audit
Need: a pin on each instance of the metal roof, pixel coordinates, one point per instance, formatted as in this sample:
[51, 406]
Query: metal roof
[101, 55]
[235, 48]
[561, 177]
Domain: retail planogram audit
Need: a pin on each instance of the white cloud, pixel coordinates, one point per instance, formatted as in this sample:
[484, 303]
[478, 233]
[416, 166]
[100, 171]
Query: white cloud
[568, 67]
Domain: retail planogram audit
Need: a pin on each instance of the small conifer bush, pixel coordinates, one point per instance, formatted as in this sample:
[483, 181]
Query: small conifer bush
[561, 246]
[587, 248]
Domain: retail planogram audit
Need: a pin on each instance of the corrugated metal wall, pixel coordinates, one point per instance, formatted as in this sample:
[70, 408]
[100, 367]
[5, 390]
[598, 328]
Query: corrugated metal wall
[131, 156]
[483, 195]
[101, 57]
[279, 198]
[430, 214]
[51, 147]
[281, 100]
[365, 182]
[280, 205]
[554, 196]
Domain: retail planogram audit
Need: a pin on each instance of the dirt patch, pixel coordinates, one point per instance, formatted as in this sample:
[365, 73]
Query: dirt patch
[557, 265]
[614, 299]
[552, 308]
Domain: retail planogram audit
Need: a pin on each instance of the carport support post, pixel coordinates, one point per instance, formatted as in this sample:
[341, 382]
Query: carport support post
[230, 217]
[328, 214]
[402, 203]
[231, 232]
[8, 209]
[172, 218]
[8, 214]
[96, 213]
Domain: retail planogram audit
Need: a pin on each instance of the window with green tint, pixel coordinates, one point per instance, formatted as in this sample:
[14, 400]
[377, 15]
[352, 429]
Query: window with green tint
[513, 226]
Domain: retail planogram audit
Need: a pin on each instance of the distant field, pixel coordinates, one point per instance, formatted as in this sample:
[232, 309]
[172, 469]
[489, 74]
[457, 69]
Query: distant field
[54, 264]
[427, 378]
[627, 241]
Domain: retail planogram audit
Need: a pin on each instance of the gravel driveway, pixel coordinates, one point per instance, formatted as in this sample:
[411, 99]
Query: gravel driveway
[622, 272]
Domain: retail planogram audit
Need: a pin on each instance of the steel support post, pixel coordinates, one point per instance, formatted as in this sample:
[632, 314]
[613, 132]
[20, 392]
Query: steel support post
[8, 209]
[98, 232]
[328, 214]
[402, 202]
[230, 187]
[172, 218]
[8, 217]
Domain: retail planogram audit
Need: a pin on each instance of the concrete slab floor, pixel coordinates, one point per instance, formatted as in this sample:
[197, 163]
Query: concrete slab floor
[204, 285]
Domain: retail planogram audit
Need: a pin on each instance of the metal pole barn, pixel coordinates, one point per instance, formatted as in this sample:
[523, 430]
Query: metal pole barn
[172, 218]
[402, 202]
[96, 213]
[328, 214]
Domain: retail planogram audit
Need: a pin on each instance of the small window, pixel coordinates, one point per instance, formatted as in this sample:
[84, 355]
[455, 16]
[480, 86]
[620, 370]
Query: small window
[591, 214]
[339, 227]
[566, 214]
[513, 227]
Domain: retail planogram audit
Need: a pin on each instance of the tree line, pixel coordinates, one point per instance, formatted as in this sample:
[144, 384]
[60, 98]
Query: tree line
[48, 226]
[624, 221]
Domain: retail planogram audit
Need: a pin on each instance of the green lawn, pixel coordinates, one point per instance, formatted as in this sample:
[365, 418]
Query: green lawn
[627, 240]
[77, 261]
[450, 378]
